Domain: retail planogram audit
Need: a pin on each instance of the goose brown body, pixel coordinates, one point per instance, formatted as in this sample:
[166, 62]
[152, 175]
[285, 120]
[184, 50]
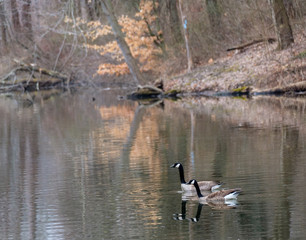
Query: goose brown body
[218, 196]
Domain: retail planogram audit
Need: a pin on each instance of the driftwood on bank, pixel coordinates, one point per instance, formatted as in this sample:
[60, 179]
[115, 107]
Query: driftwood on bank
[29, 77]
[298, 88]
[154, 91]
[146, 91]
[293, 89]
[242, 46]
[151, 92]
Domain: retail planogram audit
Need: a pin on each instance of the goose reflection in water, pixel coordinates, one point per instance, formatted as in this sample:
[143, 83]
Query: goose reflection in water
[182, 216]
[198, 215]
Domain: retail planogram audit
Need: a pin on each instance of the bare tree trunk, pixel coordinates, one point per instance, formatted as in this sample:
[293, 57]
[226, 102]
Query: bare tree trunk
[281, 23]
[214, 13]
[3, 36]
[27, 18]
[129, 59]
[96, 4]
[78, 8]
[90, 10]
[169, 22]
[289, 5]
[15, 16]
[184, 24]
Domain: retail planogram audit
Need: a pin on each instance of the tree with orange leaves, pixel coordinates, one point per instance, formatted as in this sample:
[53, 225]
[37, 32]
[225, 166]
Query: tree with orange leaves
[135, 31]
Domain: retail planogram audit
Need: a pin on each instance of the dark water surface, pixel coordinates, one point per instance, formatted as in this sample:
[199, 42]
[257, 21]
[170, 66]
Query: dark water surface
[74, 167]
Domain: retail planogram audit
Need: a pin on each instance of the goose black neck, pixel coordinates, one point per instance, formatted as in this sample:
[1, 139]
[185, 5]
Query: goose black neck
[199, 211]
[181, 170]
[184, 208]
[196, 185]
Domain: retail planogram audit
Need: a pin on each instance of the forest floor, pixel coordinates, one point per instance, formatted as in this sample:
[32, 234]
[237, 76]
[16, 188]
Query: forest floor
[260, 66]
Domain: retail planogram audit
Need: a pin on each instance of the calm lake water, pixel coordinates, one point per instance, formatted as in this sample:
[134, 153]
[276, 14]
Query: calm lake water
[90, 166]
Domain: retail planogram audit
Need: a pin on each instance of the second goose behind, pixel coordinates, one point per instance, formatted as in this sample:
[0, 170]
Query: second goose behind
[204, 185]
[218, 196]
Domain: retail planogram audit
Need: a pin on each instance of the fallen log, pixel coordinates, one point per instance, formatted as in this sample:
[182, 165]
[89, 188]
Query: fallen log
[293, 88]
[144, 92]
[153, 92]
[242, 46]
[29, 77]
[298, 88]
[33, 68]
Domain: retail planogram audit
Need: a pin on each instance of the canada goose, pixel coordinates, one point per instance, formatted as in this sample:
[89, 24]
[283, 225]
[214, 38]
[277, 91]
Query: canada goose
[204, 185]
[218, 196]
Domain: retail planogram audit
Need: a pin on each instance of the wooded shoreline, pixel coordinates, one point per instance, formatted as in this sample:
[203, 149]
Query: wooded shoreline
[254, 68]
[216, 48]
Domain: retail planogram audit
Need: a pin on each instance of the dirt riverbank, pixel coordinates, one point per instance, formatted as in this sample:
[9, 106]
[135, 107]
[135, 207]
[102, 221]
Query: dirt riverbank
[260, 66]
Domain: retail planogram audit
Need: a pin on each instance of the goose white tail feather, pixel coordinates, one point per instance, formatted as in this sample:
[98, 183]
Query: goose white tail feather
[232, 195]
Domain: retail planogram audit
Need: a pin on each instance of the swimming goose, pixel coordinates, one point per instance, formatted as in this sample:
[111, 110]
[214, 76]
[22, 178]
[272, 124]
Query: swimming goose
[218, 196]
[204, 185]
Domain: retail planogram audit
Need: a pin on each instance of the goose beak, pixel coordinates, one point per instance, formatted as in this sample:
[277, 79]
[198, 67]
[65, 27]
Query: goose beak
[172, 166]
